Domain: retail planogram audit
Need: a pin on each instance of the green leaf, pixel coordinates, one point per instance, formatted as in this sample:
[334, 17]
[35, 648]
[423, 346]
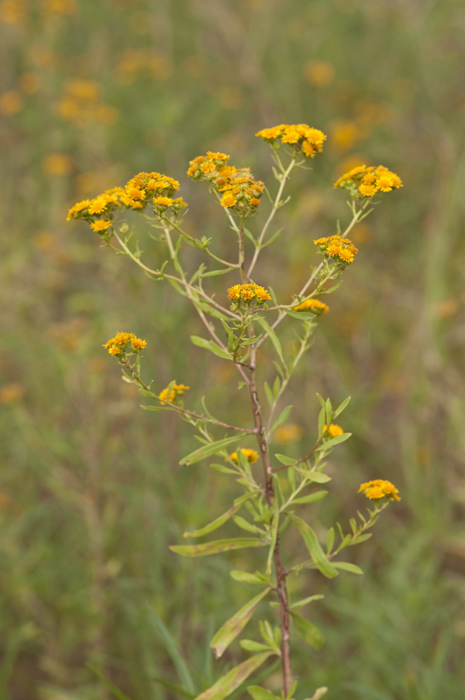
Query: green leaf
[208, 450]
[341, 407]
[147, 394]
[271, 240]
[330, 540]
[211, 310]
[308, 631]
[311, 498]
[174, 654]
[215, 524]
[234, 626]
[245, 525]
[306, 601]
[282, 419]
[288, 461]
[114, 690]
[269, 394]
[317, 477]
[222, 468]
[228, 683]
[321, 422]
[362, 538]
[258, 693]
[156, 408]
[250, 645]
[272, 336]
[210, 345]
[314, 547]
[346, 566]
[207, 548]
[335, 441]
[246, 577]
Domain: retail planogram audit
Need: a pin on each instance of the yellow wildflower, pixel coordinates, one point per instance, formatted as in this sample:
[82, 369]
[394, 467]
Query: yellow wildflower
[100, 225]
[176, 390]
[163, 201]
[124, 342]
[250, 455]
[77, 209]
[368, 181]
[379, 488]
[314, 305]
[248, 293]
[333, 430]
[302, 137]
[228, 200]
[342, 249]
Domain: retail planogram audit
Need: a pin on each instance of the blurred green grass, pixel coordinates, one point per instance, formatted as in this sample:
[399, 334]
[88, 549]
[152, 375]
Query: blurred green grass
[91, 494]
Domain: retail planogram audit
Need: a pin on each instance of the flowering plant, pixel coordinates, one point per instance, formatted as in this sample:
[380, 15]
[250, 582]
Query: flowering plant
[252, 318]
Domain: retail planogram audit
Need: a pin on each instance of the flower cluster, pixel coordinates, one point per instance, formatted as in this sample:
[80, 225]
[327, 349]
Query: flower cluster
[124, 343]
[368, 181]
[379, 488]
[314, 305]
[143, 189]
[171, 392]
[341, 249]
[332, 431]
[250, 455]
[238, 188]
[303, 138]
[248, 293]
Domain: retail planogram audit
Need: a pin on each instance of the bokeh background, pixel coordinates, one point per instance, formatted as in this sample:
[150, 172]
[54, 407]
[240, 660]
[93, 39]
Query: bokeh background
[91, 494]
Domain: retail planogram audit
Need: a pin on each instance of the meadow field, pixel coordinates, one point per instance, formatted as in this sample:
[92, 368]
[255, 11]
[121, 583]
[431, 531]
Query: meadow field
[93, 604]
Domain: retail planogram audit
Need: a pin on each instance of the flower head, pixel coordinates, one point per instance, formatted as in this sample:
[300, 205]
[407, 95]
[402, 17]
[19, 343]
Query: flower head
[170, 396]
[303, 138]
[124, 343]
[342, 250]
[250, 455]
[314, 305]
[248, 293]
[332, 431]
[237, 187]
[378, 489]
[368, 181]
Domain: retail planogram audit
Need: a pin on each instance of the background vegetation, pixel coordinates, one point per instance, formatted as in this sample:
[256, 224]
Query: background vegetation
[91, 493]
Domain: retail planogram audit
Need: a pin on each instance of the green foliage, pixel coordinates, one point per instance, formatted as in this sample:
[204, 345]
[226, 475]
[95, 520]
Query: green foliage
[91, 495]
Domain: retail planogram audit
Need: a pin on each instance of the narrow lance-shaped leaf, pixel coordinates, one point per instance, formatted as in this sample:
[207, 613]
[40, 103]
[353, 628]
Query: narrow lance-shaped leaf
[210, 345]
[314, 547]
[347, 566]
[307, 631]
[282, 419]
[202, 550]
[234, 626]
[233, 679]
[341, 407]
[273, 337]
[207, 450]
[218, 522]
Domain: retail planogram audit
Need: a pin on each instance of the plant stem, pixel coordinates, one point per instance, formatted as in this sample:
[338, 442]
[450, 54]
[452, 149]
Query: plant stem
[262, 440]
[284, 179]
